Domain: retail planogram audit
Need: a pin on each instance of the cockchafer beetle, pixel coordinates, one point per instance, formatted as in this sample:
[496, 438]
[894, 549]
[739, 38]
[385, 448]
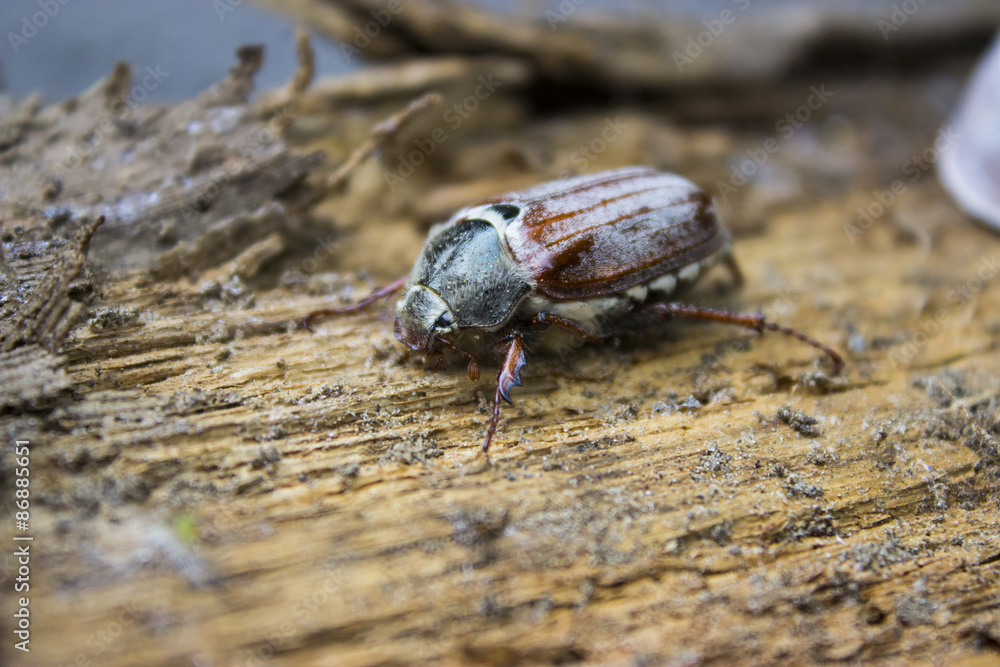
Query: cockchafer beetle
[586, 258]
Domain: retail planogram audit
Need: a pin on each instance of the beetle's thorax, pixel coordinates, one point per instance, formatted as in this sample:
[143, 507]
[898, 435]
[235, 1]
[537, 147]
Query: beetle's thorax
[465, 279]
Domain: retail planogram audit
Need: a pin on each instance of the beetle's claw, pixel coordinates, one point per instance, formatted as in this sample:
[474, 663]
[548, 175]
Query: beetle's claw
[310, 318]
[504, 387]
[510, 373]
[505, 393]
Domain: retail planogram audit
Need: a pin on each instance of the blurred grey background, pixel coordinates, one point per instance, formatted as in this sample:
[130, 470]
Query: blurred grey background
[192, 41]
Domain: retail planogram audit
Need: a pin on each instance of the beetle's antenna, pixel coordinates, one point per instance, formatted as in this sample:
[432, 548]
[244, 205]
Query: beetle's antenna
[380, 293]
[756, 322]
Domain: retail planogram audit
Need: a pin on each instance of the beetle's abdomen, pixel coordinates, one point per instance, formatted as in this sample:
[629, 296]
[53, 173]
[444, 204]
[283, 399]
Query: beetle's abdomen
[606, 314]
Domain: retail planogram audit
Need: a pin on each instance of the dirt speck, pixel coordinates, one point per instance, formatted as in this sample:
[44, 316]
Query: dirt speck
[820, 457]
[713, 461]
[878, 555]
[410, 450]
[110, 318]
[796, 488]
[914, 610]
[479, 526]
[800, 422]
[819, 522]
[605, 442]
[688, 404]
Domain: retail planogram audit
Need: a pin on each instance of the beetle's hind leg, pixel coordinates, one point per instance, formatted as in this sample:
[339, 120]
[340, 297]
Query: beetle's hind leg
[380, 293]
[734, 269]
[756, 322]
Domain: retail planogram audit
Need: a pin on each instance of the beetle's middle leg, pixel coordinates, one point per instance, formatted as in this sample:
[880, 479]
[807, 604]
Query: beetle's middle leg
[756, 322]
[545, 319]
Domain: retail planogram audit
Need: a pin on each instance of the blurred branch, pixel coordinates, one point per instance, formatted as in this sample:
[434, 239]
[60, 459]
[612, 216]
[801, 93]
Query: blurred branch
[652, 51]
[381, 132]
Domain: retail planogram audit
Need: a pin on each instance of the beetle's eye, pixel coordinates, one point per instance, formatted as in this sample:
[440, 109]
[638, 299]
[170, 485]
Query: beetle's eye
[443, 322]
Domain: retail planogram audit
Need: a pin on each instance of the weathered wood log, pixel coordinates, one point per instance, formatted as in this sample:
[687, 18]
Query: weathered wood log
[212, 484]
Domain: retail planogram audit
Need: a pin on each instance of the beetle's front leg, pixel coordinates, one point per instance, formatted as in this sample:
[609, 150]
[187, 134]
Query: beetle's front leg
[380, 293]
[508, 377]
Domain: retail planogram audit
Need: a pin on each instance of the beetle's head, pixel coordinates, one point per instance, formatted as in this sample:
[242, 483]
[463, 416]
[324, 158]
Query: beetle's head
[422, 317]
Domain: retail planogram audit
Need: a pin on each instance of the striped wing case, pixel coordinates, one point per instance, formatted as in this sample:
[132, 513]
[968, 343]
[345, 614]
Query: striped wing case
[601, 234]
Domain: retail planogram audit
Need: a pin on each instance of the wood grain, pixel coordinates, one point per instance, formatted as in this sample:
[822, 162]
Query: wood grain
[220, 487]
